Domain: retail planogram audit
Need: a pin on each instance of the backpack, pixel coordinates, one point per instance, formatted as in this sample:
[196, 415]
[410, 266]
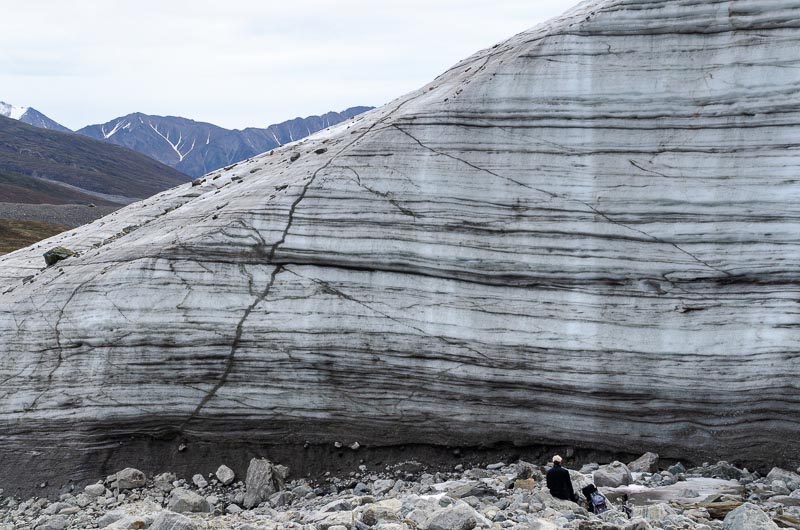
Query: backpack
[598, 502]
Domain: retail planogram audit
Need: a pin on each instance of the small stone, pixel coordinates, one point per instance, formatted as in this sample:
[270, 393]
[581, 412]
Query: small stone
[496, 466]
[225, 475]
[524, 484]
[354, 446]
[647, 463]
[183, 501]
[232, 509]
[199, 481]
[337, 444]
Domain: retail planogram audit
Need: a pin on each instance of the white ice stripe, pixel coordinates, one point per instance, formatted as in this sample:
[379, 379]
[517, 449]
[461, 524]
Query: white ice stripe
[276, 138]
[119, 125]
[209, 138]
[175, 146]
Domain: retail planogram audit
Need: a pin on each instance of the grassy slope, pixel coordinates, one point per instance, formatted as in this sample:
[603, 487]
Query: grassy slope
[18, 234]
[80, 161]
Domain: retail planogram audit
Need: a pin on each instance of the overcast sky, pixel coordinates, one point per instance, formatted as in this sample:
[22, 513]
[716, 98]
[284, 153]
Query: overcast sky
[239, 63]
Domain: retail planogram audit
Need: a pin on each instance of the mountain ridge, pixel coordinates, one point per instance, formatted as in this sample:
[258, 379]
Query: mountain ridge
[196, 147]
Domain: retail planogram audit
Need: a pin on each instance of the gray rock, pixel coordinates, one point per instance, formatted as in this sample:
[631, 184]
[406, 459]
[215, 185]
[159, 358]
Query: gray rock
[129, 522]
[172, 521]
[109, 517]
[183, 501]
[748, 516]
[789, 478]
[225, 475]
[263, 479]
[471, 489]
[54, 255]
[57, 522]
[164, 482]
[382, 486]
[458, 517]
[613, 475]
[677, 469]
[647, 463]
[95, 490]
[199, 481]
[653, 512]
[787, 500]
[283, 498]
[129, 478]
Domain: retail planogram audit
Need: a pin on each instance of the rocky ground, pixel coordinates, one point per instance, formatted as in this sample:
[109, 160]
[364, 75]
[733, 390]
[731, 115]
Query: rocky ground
[405, 497]
[70, 215]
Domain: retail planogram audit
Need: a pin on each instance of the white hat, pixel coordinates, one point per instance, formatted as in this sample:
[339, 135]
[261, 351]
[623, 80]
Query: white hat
[557, 459]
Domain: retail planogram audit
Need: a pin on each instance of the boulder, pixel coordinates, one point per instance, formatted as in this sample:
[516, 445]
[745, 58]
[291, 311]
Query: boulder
[748, 516]
[456, 517]
[653, 512]
[263, 479]
[95, 490]
[199, 481]
[54, 255]
[172, 521]
[225, 474]
[164, 482]
[128, 478]
[182, 501]
[612, 475]
[789, 478]
[57, 522]
[647, 463]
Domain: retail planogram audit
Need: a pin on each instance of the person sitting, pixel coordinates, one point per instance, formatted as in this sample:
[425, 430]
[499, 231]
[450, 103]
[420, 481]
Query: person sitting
[559, 482]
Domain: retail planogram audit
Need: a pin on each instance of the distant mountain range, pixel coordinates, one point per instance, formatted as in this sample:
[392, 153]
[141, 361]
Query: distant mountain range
[30, 116]
[41, 166]
[193, 148]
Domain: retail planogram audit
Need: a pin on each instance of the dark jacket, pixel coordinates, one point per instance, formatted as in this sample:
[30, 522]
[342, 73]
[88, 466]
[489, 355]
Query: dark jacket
[559, 483]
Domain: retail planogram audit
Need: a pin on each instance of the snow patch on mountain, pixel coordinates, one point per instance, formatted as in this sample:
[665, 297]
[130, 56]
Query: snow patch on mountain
[10, 111]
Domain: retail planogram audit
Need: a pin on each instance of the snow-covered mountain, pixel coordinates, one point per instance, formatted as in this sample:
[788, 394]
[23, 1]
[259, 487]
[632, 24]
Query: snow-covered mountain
[30, 116]
[195, 148]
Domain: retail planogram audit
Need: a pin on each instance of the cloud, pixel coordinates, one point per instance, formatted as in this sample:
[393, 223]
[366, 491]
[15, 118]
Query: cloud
[239, 63]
